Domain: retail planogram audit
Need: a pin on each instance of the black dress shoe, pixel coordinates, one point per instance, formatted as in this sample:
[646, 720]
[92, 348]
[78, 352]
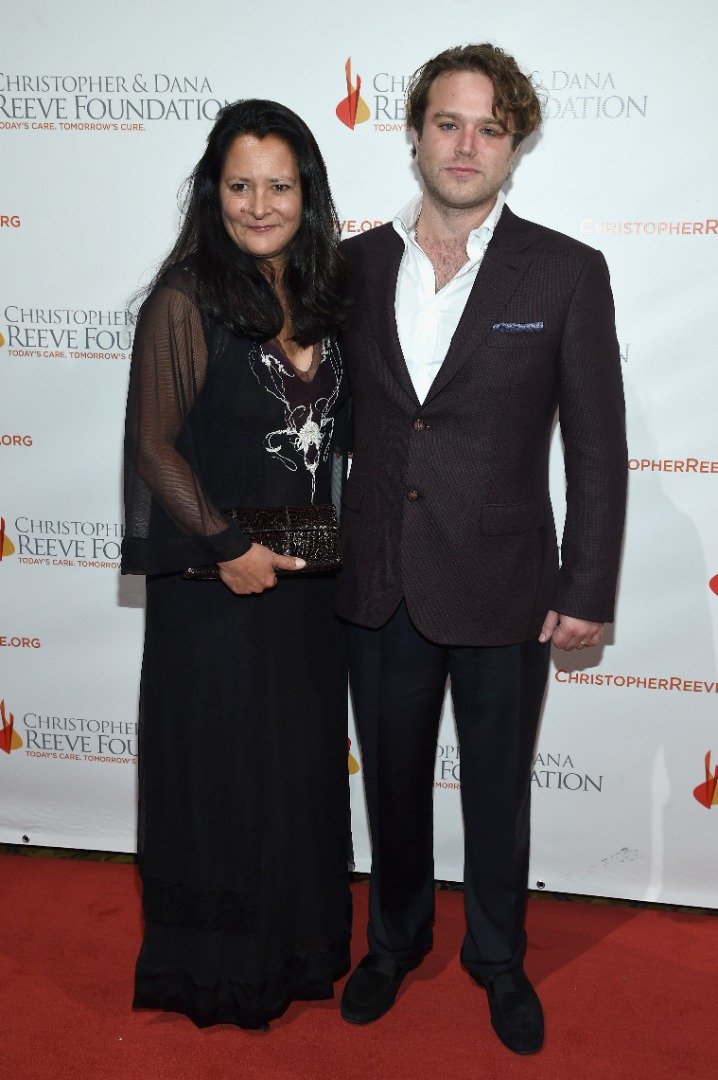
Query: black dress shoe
[371, 989]
[516, 1013]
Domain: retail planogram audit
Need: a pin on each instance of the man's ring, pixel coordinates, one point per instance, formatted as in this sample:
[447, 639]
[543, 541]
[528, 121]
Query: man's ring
[584, 643]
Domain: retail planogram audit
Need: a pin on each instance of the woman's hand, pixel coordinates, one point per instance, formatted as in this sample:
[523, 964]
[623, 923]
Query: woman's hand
[254, 572]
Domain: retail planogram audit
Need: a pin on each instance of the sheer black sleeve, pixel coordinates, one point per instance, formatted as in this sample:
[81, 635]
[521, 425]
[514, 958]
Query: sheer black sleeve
[170, 523]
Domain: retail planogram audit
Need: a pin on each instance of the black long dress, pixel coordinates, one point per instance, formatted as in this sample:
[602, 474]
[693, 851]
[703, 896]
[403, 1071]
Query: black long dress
[243, 838]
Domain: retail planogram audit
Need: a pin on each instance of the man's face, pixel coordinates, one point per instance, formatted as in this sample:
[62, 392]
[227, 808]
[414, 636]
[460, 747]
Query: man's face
[464, 155]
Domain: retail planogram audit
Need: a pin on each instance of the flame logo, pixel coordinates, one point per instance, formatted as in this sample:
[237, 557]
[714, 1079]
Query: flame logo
[353, 763]
[707, 793]
[6, 545]
[9, 738]
[713, 584]
[352, 109]
[2, 341]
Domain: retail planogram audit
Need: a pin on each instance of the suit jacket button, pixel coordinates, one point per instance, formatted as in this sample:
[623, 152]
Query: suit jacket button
[412, 495]
[419, 424]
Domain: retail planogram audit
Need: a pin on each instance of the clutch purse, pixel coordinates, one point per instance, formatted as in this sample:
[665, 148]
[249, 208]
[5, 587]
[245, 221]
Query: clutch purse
[308, 532]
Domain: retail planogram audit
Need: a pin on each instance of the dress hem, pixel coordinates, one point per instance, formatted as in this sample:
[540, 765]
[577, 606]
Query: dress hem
[234, 1001]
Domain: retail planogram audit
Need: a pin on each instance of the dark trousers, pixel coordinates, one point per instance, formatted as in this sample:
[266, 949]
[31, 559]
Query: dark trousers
[398, 681]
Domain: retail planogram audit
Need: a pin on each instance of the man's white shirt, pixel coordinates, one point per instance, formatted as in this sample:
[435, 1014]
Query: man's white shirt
[426, 320]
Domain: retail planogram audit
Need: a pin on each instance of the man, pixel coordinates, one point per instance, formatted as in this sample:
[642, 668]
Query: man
[469, 329]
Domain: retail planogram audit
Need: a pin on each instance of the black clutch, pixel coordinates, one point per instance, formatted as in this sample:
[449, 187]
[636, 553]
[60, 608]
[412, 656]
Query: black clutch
[307, 532]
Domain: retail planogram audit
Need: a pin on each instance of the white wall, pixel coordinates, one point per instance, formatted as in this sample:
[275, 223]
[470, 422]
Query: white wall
[626, 161]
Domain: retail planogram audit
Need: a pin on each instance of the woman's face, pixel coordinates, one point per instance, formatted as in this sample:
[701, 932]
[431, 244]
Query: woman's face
[261, 197]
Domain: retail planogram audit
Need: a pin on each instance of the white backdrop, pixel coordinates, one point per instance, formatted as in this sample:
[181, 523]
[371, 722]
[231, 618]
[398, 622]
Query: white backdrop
[104, 109]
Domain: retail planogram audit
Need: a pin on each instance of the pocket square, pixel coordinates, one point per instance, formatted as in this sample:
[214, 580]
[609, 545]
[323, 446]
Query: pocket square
[518, 327]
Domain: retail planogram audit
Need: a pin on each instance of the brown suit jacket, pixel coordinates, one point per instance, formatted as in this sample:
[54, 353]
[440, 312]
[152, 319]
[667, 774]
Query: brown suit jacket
[447, 503]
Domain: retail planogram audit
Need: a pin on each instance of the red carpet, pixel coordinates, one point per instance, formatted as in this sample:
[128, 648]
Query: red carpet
[628, 994]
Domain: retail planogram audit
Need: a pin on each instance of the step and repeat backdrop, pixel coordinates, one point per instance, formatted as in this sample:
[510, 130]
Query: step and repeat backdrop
[104, 109]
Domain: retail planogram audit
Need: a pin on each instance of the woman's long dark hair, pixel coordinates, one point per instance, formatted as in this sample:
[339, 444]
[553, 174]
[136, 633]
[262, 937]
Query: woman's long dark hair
[231, 284]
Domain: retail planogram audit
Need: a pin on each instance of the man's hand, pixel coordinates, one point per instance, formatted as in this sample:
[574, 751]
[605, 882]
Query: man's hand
[254, 572]
[568, 633]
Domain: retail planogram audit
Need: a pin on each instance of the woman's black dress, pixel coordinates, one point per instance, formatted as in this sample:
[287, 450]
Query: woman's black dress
[243, 839]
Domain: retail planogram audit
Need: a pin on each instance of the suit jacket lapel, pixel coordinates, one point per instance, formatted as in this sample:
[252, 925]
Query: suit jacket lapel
[504, 264]
[381, 280]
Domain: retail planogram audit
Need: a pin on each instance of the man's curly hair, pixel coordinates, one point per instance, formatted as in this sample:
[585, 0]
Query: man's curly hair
[516, 106]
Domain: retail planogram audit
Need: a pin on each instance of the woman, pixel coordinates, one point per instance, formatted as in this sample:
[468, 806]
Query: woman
[236, 398]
